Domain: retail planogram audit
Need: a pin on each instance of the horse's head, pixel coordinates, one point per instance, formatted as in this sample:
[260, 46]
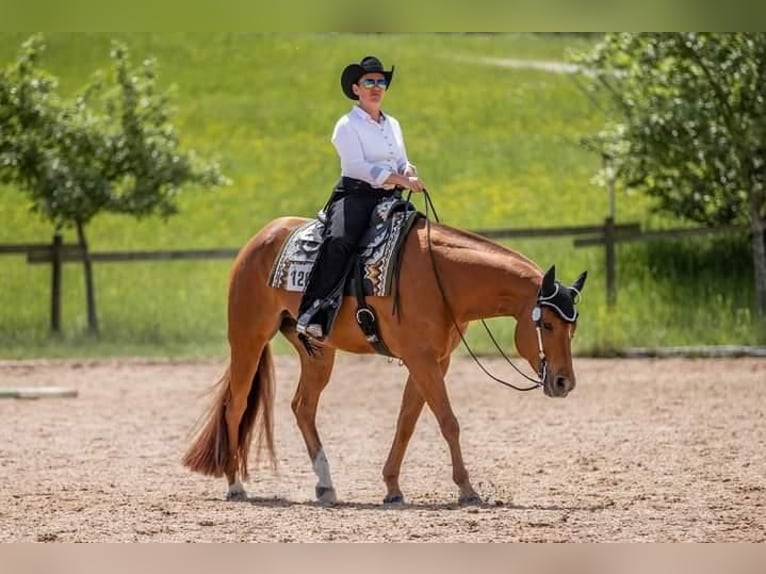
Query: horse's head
[544, 333]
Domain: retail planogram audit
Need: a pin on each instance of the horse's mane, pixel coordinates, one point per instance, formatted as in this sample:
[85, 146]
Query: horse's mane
[455, 238]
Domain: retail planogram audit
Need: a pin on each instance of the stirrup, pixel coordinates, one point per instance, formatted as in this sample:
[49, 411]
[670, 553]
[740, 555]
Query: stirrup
[313, 330]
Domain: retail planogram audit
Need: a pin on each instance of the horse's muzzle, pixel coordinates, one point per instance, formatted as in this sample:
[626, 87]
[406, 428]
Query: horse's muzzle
[558, 386]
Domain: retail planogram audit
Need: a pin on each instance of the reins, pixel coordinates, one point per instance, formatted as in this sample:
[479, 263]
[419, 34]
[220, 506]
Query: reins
[541, 376]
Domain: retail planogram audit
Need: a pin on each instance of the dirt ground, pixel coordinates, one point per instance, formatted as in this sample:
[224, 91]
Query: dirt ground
[642, 450]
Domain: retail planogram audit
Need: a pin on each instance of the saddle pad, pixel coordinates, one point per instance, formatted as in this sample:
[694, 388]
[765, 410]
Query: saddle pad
[379, 250]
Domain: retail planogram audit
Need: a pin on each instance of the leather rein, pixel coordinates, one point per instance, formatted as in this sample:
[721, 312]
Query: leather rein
[536, 317]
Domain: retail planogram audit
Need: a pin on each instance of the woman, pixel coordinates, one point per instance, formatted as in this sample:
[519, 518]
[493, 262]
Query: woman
[373, 165]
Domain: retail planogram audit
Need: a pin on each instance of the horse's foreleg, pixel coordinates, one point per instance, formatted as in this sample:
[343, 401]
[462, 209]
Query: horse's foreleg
[315, 374]
[428, 376]
[409, 412]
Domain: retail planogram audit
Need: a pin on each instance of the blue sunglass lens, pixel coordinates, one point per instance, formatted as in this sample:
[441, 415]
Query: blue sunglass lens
[370, 83]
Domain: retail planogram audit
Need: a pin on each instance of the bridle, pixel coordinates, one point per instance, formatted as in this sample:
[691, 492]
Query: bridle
[537, 317]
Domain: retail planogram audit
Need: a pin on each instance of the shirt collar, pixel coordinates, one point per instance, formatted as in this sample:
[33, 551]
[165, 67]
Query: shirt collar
[360, 113]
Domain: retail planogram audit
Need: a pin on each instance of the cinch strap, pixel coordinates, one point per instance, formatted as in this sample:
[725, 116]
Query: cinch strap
[365, 315]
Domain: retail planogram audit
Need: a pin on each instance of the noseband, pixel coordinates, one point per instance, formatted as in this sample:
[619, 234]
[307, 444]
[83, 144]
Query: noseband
[537, 317]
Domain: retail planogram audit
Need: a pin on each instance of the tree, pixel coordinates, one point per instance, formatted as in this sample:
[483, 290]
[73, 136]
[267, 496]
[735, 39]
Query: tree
[688, 125]
[112, 147]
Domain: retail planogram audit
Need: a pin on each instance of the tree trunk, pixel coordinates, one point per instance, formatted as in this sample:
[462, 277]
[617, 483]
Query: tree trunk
[757, 227]
[56, 247]
[90, 295]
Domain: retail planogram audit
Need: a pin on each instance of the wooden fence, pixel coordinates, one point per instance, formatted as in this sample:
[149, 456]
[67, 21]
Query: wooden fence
[607, 234]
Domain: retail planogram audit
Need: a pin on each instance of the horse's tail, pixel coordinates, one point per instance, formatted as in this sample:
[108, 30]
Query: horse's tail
[209, 452]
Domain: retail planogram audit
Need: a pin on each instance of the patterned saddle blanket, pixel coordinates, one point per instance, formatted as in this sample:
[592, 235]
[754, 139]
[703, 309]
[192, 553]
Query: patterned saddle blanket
[379, 250]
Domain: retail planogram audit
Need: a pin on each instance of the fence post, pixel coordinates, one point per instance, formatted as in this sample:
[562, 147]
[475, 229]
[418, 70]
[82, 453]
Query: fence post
[611, 275]
[56, 257]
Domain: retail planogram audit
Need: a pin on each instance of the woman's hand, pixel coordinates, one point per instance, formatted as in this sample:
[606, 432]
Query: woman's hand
[414, 183]
[411, 182]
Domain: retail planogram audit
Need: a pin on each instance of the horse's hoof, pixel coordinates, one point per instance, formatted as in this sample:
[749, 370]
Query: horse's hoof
[469, 499]
[236, 496]
[325, 495]
[395, 500]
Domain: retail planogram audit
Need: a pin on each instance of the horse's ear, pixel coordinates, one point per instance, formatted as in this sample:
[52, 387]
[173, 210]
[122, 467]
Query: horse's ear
[579, 283]
[549, 281]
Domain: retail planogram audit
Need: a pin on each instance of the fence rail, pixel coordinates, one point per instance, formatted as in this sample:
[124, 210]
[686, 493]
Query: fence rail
[563, 231]
[23, 248]
[646, 236]
[607, 234]
[38, 253]
[73, 254]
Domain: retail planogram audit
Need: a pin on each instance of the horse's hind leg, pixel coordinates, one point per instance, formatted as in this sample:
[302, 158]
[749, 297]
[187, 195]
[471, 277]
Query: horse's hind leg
[244, 364]
[250, 398]
[315, 374]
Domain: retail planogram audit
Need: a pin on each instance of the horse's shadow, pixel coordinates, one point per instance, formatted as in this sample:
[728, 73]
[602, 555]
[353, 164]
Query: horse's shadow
[281, 502]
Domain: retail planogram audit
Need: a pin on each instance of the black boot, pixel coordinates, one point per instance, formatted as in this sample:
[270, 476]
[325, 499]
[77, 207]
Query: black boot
[325, 287]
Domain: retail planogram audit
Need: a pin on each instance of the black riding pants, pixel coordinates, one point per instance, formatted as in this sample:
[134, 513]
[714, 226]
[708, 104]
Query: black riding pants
[348, 216]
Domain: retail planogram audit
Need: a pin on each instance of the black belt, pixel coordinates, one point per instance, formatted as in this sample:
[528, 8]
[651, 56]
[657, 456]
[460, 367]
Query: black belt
[352, 185]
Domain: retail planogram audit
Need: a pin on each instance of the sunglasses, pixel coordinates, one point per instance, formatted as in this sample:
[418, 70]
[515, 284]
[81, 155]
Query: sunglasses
[370, 83]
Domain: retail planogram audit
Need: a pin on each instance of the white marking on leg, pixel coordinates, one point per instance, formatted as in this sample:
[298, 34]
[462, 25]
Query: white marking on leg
[322, 470]
[236, 488]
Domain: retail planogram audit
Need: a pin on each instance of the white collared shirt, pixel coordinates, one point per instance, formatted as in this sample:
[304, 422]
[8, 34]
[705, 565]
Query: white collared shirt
[370, 150]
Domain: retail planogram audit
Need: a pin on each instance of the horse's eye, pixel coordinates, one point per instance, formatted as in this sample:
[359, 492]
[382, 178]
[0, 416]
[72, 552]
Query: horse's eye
[548, 326]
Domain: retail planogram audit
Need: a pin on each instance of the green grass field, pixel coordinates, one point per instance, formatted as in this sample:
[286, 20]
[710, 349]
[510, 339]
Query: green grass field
[498, 147]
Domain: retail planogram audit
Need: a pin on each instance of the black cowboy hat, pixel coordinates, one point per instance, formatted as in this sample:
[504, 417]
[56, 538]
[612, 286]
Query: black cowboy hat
[353, 72]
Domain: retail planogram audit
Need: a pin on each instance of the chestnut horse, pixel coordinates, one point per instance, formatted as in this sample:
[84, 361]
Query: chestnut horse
[477, 279]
